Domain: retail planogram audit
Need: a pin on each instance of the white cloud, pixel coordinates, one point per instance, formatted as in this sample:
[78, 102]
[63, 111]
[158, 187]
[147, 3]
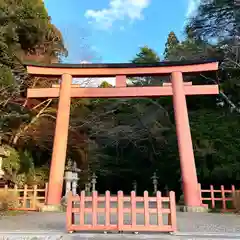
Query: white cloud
[192, 7]
[118, 10]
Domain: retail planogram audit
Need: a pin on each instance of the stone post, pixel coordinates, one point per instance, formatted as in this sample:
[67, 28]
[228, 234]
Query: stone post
[135, 186]
[75, 178]
[68, 180]
[94, 181]
[74, 183]
[155, 183]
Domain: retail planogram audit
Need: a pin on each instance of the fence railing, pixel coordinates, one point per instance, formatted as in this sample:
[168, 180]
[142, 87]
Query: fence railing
[218, 198]
[121, 213]
[29, 198]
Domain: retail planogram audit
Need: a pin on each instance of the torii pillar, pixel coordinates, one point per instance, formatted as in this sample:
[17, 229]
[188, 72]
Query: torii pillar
[192, 198]
[177, 88]
[60, 142]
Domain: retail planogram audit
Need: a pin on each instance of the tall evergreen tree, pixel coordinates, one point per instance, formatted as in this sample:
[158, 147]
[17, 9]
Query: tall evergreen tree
[171, 43]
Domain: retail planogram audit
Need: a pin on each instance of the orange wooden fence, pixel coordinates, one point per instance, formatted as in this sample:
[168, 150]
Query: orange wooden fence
[218, 198]
[110, 213]
[29, 198]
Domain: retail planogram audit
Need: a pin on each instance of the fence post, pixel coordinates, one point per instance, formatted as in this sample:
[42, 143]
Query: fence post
[69, 220]
[120, 210]
[107, 208]
[18, 195]
[133, 209]
[212, 196]
[173, 211]
[94, 208]
[233, 194]
[146, 208]
[223, 198]
[46, 193]
[159, 208]
[82, 207]
[34, 199]
[25, 196]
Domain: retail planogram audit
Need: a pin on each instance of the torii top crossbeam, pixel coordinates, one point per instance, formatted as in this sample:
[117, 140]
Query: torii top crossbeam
[121, 72]
[177, 88]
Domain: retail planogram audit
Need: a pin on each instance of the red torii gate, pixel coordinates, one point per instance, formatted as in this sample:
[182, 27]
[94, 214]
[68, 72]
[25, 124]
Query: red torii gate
[177, 88]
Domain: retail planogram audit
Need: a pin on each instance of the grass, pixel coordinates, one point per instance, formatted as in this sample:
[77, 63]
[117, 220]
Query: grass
[11, 213]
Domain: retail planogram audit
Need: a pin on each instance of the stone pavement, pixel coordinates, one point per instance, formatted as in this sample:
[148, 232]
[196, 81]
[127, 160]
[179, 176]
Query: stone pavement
[78, 236]
[190, 226]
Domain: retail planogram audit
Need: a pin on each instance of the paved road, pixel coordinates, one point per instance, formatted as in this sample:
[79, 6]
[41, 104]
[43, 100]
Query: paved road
[187, 222]
[63, 236]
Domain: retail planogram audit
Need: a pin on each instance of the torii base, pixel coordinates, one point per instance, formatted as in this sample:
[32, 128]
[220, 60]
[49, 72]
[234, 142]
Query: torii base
[200, 209]
[52, 208]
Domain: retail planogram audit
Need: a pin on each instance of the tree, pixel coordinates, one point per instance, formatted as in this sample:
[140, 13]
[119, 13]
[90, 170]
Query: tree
[146, 55]
[216, 19]
[220, 21]
[26, 33]
[171, 43]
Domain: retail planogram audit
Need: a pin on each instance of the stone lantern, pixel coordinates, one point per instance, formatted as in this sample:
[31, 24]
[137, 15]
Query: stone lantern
[135, 186]
[68, 177]
[71, 177]
[88, 187]
[93, 182]
[75, 177]
[155, 182]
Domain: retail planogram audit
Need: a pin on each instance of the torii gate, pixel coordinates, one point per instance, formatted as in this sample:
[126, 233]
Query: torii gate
[177, 88]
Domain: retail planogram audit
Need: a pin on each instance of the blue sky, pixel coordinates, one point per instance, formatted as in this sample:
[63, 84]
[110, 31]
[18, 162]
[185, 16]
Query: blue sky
[113, 30]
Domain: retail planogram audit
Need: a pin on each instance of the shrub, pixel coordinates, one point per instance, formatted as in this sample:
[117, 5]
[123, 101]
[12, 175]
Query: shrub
[236, 201]
[8, 200]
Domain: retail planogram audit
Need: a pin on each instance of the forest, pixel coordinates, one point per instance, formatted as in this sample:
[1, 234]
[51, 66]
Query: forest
[121, 140]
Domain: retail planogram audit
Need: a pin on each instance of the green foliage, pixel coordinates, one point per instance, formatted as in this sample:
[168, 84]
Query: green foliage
[171, 43]
[216, 141]
[27, 163]
[191, 48]
[21, 180]
[105, 84]
[25, 22]
[6, 77]
[12, 163]
[41, 175]
[8, 200]
[146, 55]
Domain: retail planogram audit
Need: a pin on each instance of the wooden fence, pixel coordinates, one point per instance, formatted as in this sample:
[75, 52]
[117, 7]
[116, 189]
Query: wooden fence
[121, 213]
[30, 198]
[218, 198]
